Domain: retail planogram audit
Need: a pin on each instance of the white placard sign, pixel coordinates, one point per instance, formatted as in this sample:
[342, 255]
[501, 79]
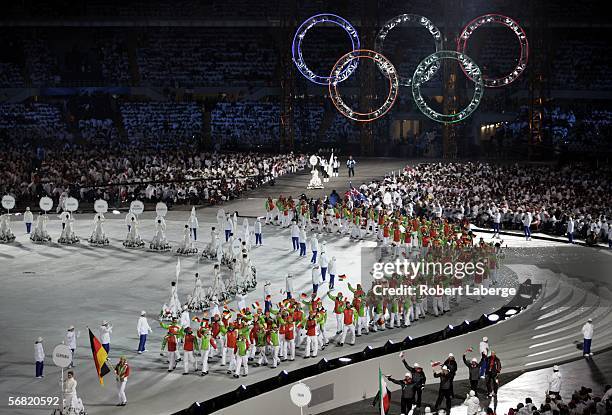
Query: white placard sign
[101, 206]
[161, 209]
[300, 395]
[137, 207]
[45, 203]
[387, 198]
[8, 202]
[62, 356]
[71, 204]
[313, 160]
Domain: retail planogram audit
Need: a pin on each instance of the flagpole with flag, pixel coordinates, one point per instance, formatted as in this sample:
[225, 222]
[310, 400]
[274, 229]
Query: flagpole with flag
[178, 270]
[100, 357]
[384, 401]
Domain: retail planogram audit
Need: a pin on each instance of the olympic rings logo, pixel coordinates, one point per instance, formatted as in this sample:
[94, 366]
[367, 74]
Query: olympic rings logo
[424, 72]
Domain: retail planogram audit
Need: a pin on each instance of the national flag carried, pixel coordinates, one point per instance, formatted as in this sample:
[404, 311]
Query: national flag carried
[385, 401]
[100, 356]
[178, 268]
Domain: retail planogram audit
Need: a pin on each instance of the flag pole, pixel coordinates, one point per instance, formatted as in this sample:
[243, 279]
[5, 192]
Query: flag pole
[380, 391]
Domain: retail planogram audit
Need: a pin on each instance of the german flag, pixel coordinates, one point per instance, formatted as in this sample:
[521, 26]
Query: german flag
[100, 356]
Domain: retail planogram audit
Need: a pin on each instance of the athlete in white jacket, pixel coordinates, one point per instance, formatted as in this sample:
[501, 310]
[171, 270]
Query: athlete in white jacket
[143, 329]
[554, 383]
[587, 335]
[28, 218]
[472, 402]
[105, 331]
[39, 357]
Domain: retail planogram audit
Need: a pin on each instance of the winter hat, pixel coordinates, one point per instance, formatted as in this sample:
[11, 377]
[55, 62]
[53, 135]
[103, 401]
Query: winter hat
[70, 328]
[407, 375]
[39, 340]
[472, 393]
[418, 365]
[556, 368]
[451, 355]
[474, 360]
[143, 313]
[105, 323]
[485, 339]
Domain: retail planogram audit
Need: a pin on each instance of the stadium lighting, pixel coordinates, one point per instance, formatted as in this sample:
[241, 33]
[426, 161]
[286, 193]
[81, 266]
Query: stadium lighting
[344, 359]
[116, 212]
[511, 312]
[493, 317]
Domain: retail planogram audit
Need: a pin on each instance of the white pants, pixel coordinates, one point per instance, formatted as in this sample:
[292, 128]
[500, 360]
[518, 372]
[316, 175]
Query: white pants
[346, 329]
[376, 325]
[362, 325]
[438, 306]
[121, 391]
[281, 344]
[269, 216]
[205, 354]
[301, 335]
[446, 302]
[275, 352]
[188, 358]
[394, 319]
[275, 214]
[289, 347]
[220, 346]
[408, 315]
[232, 357]
[312, 345]
[339, 323]
[419, 309]
[172, 360]
[242, 361]
[322, 337]
[262, 355]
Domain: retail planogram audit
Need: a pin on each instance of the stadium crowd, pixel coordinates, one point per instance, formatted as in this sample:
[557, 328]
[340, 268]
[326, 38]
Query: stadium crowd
[582, 402]
[118, 174]
[550, 197]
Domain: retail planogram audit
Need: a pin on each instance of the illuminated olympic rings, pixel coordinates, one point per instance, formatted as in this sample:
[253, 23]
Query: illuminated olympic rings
[385, 67]
[512, 25]
[472, 71]
[347, 64]
[296, 47]
[406, 19]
